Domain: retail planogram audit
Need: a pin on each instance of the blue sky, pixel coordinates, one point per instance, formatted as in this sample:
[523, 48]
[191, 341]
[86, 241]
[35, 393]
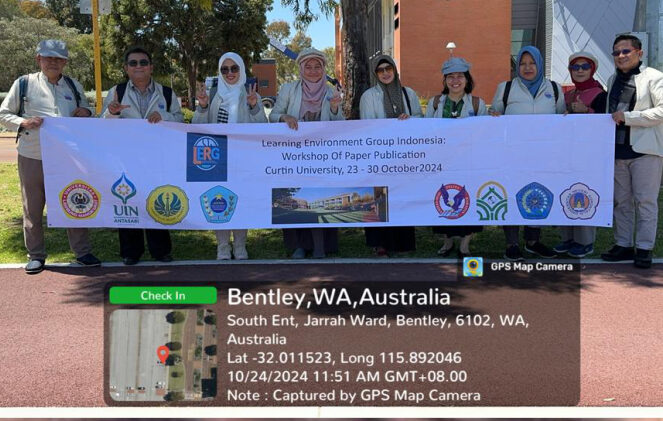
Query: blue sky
[320, 31]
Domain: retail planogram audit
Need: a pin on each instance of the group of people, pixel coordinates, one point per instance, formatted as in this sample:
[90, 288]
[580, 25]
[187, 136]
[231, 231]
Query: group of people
[634, 99]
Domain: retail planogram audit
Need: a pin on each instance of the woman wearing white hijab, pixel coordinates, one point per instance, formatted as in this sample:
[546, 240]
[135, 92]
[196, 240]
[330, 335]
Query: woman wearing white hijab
[230, 104]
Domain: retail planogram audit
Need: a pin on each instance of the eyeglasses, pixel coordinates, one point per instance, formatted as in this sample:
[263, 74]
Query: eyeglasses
[388, 68]
[142, 63]
[576, 67]
[232, 69]
[625, 51]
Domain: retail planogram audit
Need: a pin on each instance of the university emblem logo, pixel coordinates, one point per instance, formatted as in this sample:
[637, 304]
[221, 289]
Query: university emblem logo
[79, 200]
[218, 204]
[492, 203]
[207, 157]
[534, 201]
[452, 201]
[167, 205]
[124, 190]
[579, 201]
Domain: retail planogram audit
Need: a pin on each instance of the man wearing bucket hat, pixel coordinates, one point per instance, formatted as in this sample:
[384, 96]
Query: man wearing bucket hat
[47, 93]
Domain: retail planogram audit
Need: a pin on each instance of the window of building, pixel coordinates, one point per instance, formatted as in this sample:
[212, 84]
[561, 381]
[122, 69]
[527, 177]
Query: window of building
[396, 23]
[264, 83]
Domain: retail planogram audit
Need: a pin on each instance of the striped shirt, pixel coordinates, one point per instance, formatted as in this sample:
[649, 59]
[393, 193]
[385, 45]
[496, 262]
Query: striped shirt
[144, 98]
[222, 115]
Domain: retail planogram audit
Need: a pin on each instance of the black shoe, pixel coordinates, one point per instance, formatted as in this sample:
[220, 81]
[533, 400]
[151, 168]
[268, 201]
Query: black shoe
[642, 258]
[165, 258]
[618, 254]
[34, 266]
[540, 249]
[129, 261]
[513, 253]
[88, 260]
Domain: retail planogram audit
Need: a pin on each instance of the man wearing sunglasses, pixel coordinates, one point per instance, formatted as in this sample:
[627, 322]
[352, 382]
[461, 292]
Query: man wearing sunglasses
[635, 101]
[141, 97]
[48, 93]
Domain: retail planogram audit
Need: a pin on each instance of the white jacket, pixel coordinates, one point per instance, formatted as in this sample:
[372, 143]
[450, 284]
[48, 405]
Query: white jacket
[521, 101]
[647, 116]
[289, 102]
[157, 103]
[371, 104]
[44, 99]
[246, 114]
[467, 111]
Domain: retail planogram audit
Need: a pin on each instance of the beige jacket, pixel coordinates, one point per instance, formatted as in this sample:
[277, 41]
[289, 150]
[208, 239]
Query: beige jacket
[521, 101]
[44, 99]
[371, 104]
[467, 111]
[646, 119]
[289, 102]
[157, 103]
[246, 114]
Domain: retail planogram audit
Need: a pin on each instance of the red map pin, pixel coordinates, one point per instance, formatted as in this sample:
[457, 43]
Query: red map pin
[162, 353]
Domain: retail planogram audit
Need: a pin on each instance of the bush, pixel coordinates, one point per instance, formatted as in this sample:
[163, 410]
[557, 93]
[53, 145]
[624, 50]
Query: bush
[188, 115]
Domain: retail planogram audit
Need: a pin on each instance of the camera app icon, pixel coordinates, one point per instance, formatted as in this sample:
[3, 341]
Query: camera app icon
[473, 267]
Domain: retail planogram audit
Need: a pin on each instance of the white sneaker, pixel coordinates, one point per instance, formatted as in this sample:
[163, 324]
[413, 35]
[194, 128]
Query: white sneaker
[223, 252]
[240, 252]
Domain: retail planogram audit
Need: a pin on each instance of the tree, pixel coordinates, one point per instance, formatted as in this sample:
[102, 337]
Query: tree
[355, 66]
[18, 41]
[330, 68]
[68, 13]
[174, 396]
[186, 33]
[35, 9]
[10, 9]
[175, 317]
[286, 68]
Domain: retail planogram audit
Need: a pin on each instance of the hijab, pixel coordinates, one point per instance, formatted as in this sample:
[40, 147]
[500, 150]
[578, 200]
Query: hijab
[392, 99]
[313, 93]
[531, 85]
[230, 95]
[585, 91]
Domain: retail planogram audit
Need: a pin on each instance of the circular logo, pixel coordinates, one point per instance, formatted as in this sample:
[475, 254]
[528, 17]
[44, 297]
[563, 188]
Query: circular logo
[206, 153]
[452, 201]
[579, 201]
[218, 204]
[167, 204]
[79, 200]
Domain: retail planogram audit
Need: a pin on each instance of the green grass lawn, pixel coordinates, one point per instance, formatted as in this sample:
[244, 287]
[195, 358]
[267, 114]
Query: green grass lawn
[262, 243]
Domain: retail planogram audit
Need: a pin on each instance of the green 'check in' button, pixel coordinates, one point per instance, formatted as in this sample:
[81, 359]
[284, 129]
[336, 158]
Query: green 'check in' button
[162, 295]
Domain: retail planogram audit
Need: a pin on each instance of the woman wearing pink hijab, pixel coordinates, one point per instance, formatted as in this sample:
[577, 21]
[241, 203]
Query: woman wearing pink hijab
[309, 99]
[588, 96]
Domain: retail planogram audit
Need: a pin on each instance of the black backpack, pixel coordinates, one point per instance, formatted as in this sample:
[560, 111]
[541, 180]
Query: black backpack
[167, 93]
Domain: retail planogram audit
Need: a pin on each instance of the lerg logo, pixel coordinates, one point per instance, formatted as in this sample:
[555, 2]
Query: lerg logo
[79, 200]
[579, 201]
[168, 205]
[452, 208]
[207, 157]
[218, 204]
[534, 201]
[124, 190]
[473, 267]
[491, 202]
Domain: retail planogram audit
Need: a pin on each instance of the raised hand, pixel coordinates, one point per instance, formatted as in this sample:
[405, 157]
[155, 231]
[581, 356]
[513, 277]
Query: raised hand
[115, 107]
[252, 95]
[201, 95]
[336, 100]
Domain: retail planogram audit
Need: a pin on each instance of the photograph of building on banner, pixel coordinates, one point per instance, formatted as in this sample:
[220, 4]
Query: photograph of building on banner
[324, 205]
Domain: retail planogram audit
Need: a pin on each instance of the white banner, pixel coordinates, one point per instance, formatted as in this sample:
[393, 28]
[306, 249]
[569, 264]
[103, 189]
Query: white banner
[510, 170]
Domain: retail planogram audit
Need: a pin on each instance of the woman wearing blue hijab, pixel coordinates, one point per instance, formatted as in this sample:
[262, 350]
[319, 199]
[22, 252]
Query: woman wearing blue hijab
[528, 93]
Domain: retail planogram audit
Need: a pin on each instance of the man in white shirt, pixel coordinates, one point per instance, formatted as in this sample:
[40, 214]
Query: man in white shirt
[48, 93]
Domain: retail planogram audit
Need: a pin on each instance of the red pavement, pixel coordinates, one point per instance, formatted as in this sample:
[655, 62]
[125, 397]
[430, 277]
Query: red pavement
[7, 147]
[51, 340]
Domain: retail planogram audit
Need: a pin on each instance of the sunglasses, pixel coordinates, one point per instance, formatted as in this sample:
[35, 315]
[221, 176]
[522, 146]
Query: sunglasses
[142, 63]
[576, 67]
[625, 51]
[387, 69]
[232, 69]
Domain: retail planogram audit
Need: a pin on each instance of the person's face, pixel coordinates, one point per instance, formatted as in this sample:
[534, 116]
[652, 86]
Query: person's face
[138, 67]
[628, 58]
[51, 66]
[527, 67]
[456, 83]
[581, 70]
[385, 73]
[313, 70]
[230, 71]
